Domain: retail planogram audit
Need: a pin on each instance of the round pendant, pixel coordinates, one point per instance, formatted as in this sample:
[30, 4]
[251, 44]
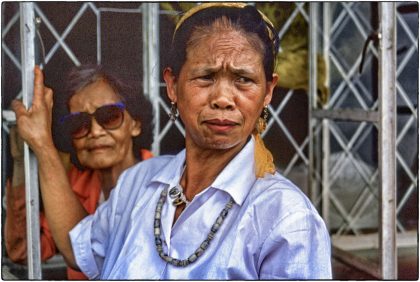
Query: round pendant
[175, 193]
[177, 196]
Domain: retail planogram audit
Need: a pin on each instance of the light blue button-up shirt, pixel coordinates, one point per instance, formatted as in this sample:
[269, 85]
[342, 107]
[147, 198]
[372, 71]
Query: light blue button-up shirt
[271, 232]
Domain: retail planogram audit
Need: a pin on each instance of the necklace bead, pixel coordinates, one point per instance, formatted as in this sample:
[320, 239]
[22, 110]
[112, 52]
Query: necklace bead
[203, 246]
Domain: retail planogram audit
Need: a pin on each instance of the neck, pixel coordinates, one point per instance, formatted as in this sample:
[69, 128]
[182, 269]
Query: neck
[203, 166]
[109, 176]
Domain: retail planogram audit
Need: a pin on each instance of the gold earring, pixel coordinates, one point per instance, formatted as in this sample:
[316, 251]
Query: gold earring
[262, 121]
[173, 114]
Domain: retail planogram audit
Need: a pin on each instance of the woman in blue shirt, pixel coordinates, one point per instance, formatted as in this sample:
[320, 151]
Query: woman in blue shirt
[218, 209]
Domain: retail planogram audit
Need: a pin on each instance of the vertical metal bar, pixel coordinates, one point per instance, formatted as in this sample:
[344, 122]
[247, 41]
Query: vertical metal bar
[151, 69]
[325, 122]
[313, 19]
[387, 137]
[98, 39]
[27, 36]
[327, 20]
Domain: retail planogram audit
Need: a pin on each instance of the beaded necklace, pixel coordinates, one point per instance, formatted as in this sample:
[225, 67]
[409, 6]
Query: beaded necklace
[203, 246]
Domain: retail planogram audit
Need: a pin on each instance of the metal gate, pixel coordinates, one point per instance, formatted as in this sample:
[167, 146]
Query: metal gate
[358, 188]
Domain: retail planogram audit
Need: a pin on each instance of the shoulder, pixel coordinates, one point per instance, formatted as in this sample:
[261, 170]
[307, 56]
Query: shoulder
[288, 226]
[134, 183]
[277, 201]
[280, 191]
[149, 167]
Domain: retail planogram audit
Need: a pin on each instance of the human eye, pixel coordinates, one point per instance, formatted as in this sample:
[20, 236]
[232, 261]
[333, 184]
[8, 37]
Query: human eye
[244, 80]
[205, 77]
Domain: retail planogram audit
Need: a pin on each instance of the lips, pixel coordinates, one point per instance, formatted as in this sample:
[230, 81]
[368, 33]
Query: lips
[219, 125]
[97, 148]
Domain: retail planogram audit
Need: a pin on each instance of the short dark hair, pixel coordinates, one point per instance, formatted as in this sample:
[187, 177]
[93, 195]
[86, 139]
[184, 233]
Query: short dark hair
[137, 105]
[248, 19]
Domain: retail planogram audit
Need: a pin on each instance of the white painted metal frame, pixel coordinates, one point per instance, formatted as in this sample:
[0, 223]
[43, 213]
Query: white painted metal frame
[387, 139]
[27, 33]
[314, 155]
[385, 117]
[151, 65]
[357, 139]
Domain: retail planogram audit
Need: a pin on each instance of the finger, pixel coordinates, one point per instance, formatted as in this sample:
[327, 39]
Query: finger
[18, 108]
[48, 93]
[38, 84]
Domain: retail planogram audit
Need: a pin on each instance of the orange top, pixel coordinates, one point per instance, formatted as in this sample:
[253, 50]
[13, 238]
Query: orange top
[87, 187]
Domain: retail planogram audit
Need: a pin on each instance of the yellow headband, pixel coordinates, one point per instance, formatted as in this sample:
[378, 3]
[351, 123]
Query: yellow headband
[204, 6]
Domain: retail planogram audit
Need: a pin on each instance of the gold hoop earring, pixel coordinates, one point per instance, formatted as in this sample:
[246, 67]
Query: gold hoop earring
[173, 114]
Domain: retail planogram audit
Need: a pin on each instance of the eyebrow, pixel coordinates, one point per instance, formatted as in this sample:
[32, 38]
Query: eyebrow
[242, 71]
[235, 70]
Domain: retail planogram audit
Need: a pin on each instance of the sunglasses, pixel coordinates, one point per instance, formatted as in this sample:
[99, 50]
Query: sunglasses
[109, 117]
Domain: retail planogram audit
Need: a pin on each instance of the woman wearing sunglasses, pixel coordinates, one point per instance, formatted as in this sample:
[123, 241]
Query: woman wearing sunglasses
[105, 121]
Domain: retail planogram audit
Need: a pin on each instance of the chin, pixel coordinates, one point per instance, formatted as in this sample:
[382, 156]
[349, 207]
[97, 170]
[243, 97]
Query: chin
[222, 144]
[98, 165]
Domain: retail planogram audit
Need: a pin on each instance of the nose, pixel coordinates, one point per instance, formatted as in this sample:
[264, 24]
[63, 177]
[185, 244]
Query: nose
[222, 97]
[96, 129]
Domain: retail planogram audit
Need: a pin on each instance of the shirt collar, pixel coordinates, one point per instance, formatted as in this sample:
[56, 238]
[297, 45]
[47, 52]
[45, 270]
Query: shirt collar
[236, 178]
[171, 173]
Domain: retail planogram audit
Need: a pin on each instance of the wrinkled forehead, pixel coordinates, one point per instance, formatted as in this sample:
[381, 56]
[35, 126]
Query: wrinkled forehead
[92, 96]
[223, 31]
[226, 48]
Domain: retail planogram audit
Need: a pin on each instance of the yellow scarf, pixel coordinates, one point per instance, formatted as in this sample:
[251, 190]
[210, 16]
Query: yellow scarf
[264, 162]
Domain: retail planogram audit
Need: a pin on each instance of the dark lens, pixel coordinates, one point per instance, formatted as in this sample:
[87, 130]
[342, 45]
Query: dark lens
[78, 124]
[110, 116]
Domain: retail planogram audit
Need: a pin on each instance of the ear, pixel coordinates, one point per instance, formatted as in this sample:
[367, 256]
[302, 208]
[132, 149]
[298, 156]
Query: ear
[135, 128]
[270, 89]
[170, 80]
